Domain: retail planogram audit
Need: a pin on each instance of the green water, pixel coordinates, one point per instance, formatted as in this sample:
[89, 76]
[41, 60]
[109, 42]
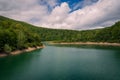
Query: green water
[63, 63]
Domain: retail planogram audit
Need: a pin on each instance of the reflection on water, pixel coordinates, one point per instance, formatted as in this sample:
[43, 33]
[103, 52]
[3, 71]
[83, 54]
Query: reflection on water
[10, 64]
[63, 62]
[88, 46]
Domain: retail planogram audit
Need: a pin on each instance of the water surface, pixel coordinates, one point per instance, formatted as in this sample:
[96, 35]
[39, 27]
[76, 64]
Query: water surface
[69, 62]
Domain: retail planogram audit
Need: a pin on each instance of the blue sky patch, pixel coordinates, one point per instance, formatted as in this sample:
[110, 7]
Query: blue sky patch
[78, 4]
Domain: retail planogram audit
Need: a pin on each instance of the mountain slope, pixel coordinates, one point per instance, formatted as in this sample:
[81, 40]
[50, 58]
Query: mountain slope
[18, 35]
[15, 35]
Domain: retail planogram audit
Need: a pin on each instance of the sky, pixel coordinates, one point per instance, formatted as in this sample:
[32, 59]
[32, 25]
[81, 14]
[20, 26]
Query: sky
[63, 14]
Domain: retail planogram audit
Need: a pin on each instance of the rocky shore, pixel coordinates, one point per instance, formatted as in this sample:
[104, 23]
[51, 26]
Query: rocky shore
[21, 51]
[87, 43]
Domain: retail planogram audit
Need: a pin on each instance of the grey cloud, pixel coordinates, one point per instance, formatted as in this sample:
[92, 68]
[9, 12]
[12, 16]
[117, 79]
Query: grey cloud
[6, 6]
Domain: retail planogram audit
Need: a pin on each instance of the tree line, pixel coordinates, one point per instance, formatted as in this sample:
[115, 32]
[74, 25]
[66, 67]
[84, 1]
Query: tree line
[108, 34]
[20, 35]
[14, 36]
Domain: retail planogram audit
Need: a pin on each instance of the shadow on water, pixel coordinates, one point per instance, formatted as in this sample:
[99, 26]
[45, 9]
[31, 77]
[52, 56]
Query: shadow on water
[9, 64]
[114, 49]
[106, 47]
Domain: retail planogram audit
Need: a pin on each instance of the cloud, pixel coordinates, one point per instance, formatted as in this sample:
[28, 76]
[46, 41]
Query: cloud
[57, 16]
[101, 14]
[49, 3]
[6, 5]
[47, 13]
[24, 10]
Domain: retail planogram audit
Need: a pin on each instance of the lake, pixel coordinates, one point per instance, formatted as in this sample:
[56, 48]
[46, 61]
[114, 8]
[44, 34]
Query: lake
[63, 62]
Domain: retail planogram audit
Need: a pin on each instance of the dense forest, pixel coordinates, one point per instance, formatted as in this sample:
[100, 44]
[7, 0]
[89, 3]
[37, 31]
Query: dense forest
[15, 35]
[109, 34]
[19, 35]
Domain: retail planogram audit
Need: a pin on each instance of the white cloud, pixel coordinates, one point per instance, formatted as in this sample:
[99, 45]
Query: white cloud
[100, 14]
[57, 16]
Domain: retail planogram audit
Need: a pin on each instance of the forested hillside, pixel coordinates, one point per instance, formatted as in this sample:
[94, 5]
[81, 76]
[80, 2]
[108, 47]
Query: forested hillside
[19, 35]
[109, 34]
[15, 35]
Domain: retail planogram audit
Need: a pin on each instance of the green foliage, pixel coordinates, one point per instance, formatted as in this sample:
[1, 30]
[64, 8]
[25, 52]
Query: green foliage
[20, 35]
[109, 34]
[7, 48]
[21, 40]
[17, 35]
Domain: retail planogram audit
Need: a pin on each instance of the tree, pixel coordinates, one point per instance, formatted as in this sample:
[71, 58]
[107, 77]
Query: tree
[7, 48]
[20, 40]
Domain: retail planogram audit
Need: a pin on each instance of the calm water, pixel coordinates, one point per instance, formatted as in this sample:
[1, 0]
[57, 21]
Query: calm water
[63, 63]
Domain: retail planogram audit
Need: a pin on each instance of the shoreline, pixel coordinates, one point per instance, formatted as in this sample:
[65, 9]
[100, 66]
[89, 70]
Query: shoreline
[85, 43]
[29, 49]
